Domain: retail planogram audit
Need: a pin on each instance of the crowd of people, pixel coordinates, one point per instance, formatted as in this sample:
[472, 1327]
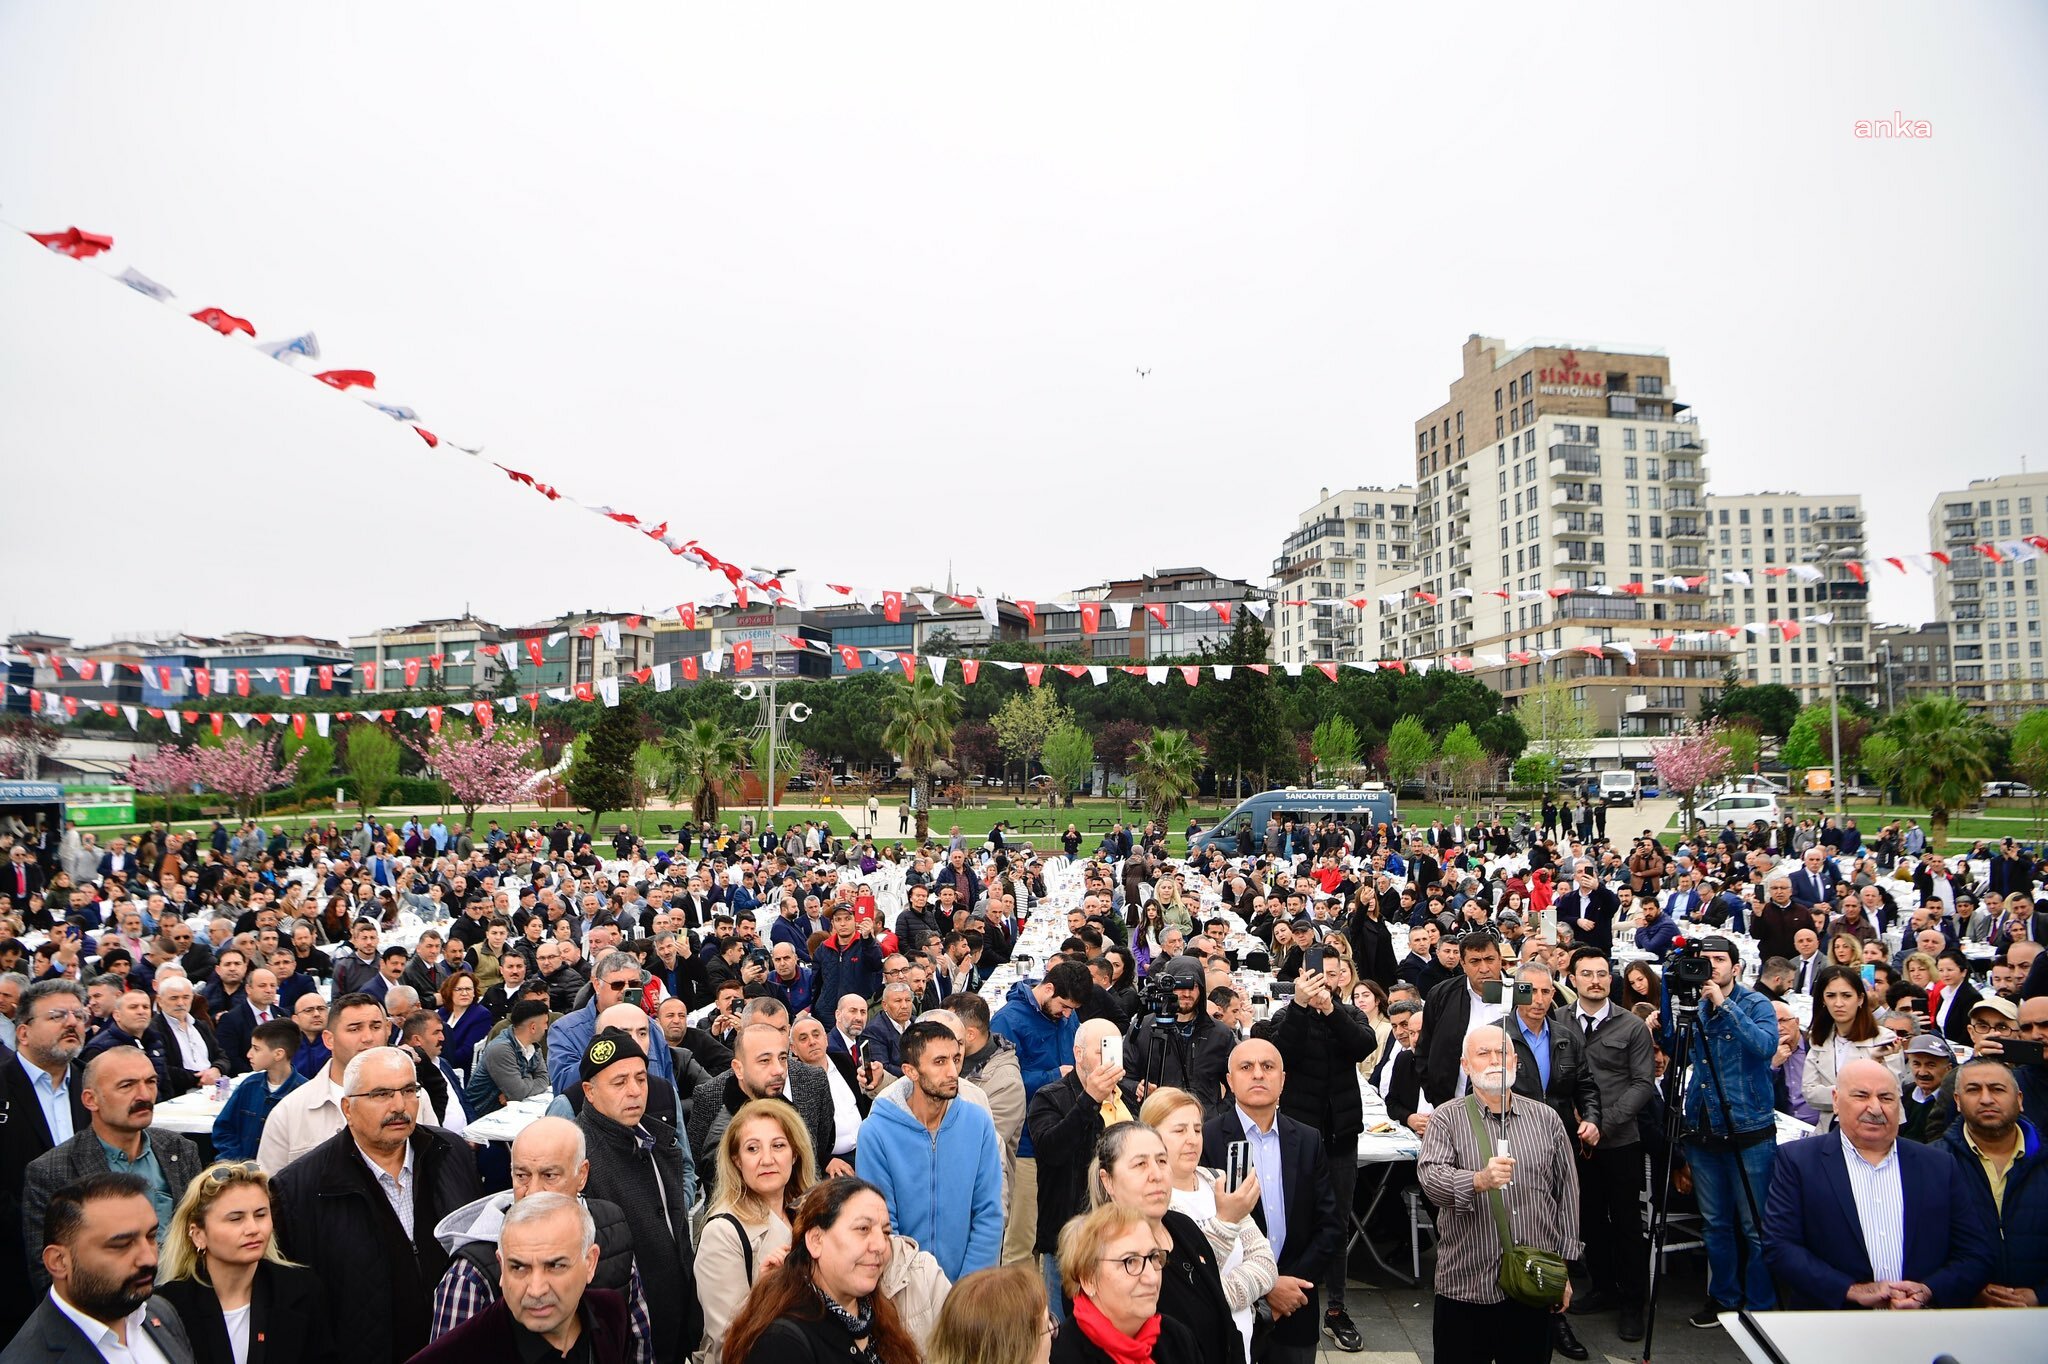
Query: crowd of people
[794, 1097]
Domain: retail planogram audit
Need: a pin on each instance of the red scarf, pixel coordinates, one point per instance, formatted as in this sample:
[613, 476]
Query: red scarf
[1121, 1349]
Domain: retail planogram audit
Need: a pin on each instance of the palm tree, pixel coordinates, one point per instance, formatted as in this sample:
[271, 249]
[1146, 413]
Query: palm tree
[702, 757]
[920, 715]
[1165, 765]
[1947, 757]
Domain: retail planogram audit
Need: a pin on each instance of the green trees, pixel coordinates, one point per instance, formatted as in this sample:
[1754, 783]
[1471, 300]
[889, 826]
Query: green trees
[1165, 766]
[703, 756]
[1242, 714]
[371, 757]
[1744, 746]
[919, 716]
[1556, 721]
[1025, 721]
[1806, 742]
[1947, 757]
[1409, 750]
[1335, 746]
[1464, 760]
[1768, 706]
[2029, 755]
[601, 777]
[1068, 757]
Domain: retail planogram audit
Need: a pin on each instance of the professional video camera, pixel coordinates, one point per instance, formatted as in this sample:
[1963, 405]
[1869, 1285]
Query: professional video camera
[1687, 972]
[1158, 994]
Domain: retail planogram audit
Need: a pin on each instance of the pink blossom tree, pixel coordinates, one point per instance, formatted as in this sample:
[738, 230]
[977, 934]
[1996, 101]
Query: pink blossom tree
[170, 771]
[1689, 762]
[490, 769]
[242, 771]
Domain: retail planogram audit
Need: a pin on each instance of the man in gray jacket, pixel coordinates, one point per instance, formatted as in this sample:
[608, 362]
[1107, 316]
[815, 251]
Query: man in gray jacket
[120, 1094]
[1619, 1057]
[514, 1064]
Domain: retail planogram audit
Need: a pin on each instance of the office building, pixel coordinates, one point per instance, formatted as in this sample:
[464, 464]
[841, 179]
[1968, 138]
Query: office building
[1575, 469]
[1792, 548]
[1143, 618]
[449, 653]
[1349, 545]
[1992, 608]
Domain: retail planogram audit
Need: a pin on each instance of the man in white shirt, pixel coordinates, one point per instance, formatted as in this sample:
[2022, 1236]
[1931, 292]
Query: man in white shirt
[310, 1114]
[191, 1048]
[99, 1246]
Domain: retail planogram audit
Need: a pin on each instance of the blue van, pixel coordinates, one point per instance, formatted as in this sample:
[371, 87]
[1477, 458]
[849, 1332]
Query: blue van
[1365, 805]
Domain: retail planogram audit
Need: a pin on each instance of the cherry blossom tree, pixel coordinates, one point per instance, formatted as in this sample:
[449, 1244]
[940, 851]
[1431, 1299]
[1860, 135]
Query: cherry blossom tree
[24, 743]
[490, 769]
[1689, 762]
[242, 771]
[170, 771]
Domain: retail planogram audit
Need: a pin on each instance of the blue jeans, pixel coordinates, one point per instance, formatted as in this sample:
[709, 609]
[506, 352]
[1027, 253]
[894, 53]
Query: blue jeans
[1050, 1265]
[1717, 1185]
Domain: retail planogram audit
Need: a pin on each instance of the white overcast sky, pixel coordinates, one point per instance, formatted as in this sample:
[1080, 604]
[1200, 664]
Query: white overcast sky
[860, 289]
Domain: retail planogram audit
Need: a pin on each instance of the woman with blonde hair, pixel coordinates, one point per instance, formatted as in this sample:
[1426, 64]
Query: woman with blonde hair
[1245, 1257]
[765, 1164]
[1115, 1262]
[241, 1301]
[993, 1316]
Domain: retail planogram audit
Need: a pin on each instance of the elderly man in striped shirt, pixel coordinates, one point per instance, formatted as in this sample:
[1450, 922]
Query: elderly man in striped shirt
[1534, 1169]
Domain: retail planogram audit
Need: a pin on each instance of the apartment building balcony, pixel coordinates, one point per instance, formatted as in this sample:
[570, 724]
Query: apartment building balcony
[1573, 495]
[1684, 528]
[1685, 471]
[1681, 501]
[1567, 459]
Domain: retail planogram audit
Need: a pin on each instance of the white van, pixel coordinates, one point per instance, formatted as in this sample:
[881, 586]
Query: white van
[1740, 808]
[1621, 788]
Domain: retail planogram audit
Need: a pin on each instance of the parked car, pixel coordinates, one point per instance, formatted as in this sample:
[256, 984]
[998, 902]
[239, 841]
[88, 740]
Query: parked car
[1621, 788]
[1741, 808]
[2011, 790]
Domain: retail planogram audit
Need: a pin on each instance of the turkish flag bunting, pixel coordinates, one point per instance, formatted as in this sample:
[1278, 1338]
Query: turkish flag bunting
[1262, 669]
[964, 603]
[533, 650]
[434, 661]
[743, 656]
[74, 243]
[1633, 589]
[1398, 665]
[1189, 672]
[533, 702]
[689, 669]
[632, 622]
[191, 716]
[687, 612]
[970, 668]
[387, 715]
[1034, 673]
[641, 675]
[241, 681]
[587, 631]
[347, 378]
[412, 672]
[1091, 617]
[1030, 610]
[326, 677]
[1157, 610]
[1328, 670]
[71, 705]
[850, 657]
[1855, 569]
[892, 607]
[263, 717]
[109, 708]
[585, 692]
[216, 718]
[163, 679]
[1134, 669]
[1222, 611]
[1072, 669]
[908, 662]
[485, 718]
[223, 321]
[434, 718]
[299, 725]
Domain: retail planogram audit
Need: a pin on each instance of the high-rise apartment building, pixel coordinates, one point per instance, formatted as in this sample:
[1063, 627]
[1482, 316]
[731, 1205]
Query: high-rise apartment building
[1992, 608]
[1911, 662]
[1793, 550]
[1576, 471]
[1349, 545]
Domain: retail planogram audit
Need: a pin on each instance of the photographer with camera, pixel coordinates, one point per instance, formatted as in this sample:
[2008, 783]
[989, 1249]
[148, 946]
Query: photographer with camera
[1728, 1121]
[1175, 1043]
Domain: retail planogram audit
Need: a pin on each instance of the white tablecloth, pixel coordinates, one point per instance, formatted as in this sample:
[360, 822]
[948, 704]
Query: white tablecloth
[191, 1114]
[509, 1121]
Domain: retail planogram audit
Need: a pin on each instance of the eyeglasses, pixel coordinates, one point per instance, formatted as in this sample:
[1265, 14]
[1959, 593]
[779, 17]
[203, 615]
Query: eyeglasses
[66, 1015]
[228, 1172]
[1134, 1265]
[385, 1096]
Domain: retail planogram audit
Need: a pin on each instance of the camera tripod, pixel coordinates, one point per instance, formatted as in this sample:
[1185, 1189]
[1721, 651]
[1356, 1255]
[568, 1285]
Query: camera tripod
[1687, 1046]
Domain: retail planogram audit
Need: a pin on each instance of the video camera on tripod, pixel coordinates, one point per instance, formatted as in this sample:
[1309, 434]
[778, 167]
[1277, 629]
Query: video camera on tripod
[1687, 972]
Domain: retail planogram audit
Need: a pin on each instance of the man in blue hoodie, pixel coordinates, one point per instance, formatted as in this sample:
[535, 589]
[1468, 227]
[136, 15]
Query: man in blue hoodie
[2006, 1171]
[905, 1145]
[1039, 1021]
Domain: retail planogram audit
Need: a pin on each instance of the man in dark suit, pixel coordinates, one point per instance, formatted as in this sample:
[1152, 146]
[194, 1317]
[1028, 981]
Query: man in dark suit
[1778, 917]
[1296, 1208]
[257, 1006]
[192, 1053]
[117, 861]
[40, 1080]
[1619, 1056]
[1589, 907]
[99, 1251]
[885, 1029]
[1397, 1075]
[120, 1094]
[1449, 1011]
[1859, 1218]
[22, 879]
[1813, 885]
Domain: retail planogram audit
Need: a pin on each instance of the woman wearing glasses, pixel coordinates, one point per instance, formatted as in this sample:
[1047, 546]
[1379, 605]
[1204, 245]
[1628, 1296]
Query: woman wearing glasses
[1114, 1263]
[241, 1301]
[1131, 1169]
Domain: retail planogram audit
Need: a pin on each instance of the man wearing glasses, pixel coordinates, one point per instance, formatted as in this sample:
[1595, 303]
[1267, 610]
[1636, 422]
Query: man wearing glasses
[314, 1112]
[614, 978]
[360, 1208]
[41, 1107]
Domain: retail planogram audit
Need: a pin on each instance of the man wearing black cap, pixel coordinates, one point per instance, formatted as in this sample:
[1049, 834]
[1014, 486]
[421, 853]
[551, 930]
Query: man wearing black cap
[1192, 1050]
[637, 1162]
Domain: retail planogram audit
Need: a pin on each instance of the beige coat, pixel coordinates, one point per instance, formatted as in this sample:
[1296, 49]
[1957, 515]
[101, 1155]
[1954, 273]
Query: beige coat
[1817, 1085]
[916, 1285]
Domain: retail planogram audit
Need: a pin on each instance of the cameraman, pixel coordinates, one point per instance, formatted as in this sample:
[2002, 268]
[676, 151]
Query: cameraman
[1729, 1125]
[1176, 1043]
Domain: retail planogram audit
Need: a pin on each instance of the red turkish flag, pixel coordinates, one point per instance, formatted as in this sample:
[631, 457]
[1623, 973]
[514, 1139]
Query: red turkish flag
[241, 681]
[1789, 628]
[1072, 669]
[1134, 669]
[412, 672]
[486, 716]
[429, 437]
[347, 378]
[299, 726]
[850, 657]
[263, 717]
[71, 705]
[1034, 673]
[892, 607]
[970, 668]
[1157, 611]
[74, 242]
[85, 666]
[1855, 569]
[1030, 610]
[585, 692]
[191, 716]
[223, 321]
[690, 668]
[533, 651]
[1189, 672]
[1398, 665]
[632, 622]
[964, 603]
[908, 662]
[1262, 669]
[35, 702]
[387, 716]
[1990, 552]
[109, 708]
[216, 717]
[203, 677]
[1222, 611]
[1091, 617]
[743, 656]
[163, 679]
[687, 613]
[434, 661]
[587, 631]
[641, 675]
[434, 718]
[1328, 670]
[326, 677]
[1633, 589]
[533, 702]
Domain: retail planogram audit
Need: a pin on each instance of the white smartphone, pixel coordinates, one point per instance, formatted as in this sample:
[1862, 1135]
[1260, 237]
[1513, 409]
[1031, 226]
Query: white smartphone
[1113, 1051]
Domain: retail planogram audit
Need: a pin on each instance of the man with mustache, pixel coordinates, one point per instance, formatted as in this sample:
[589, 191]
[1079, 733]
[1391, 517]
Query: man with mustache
[120, 1097]
[360, 1208]
[546, 1307]
[40, 1107]
[99, 1254]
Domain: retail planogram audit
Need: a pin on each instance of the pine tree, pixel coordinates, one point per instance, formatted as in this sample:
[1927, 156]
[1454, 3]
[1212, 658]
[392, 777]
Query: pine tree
[601, 778]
